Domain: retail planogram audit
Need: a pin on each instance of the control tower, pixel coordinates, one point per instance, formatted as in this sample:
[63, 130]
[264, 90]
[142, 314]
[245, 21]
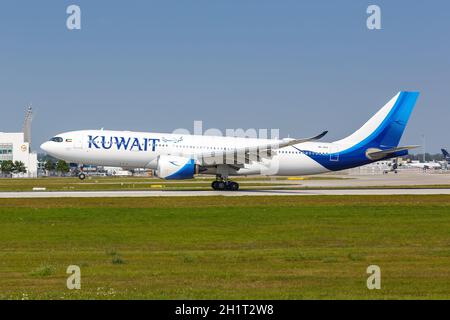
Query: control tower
[27, 125]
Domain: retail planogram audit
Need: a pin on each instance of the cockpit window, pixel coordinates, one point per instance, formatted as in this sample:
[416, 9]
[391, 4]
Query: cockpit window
[57, 139]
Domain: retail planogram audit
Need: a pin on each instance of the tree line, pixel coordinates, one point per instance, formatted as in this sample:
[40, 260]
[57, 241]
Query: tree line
[61, 167]
[9, 167]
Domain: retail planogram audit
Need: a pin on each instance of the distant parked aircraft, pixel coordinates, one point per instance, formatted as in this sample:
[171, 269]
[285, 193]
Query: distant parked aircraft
[425, 165]
[446, 155]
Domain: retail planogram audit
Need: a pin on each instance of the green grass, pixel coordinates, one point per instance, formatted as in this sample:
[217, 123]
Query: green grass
[220, 247]
[140, 183]
[43, 271]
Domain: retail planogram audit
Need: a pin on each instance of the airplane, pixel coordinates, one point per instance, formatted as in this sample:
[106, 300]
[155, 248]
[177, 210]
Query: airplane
[433, 164]
[425, 165]
[176, 156]
[446, 155]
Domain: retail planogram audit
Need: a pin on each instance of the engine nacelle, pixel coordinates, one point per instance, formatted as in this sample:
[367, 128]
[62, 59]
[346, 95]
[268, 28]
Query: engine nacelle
[176, 168]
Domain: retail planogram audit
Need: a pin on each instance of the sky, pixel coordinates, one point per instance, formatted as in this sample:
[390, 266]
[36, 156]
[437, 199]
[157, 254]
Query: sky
[298, 66]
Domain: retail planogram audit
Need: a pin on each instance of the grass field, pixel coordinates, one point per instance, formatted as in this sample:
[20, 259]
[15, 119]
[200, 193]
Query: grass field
[225, 247]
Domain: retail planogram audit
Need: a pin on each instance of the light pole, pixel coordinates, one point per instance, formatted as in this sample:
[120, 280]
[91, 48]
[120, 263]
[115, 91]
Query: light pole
[423, 143]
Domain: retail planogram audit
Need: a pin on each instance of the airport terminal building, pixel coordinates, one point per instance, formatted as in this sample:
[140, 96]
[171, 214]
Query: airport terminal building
[14, 148]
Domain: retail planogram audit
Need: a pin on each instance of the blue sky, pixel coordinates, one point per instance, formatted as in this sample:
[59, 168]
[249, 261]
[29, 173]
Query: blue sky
[300, 66]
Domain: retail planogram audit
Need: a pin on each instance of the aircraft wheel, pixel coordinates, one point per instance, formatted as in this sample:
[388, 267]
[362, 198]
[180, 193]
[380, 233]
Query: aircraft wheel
[221, 185]
[218, 185]
[233, 186]
[81, 176]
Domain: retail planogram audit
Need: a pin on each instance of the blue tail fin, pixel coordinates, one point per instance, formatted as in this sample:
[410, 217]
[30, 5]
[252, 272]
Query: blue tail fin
[381, 133]
[395, 122]
[377, 139]
[386, 127]
[446, 155]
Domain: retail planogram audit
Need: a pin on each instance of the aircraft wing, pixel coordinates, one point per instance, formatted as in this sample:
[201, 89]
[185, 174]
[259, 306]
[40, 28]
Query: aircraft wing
[240, 156]
[288, 143]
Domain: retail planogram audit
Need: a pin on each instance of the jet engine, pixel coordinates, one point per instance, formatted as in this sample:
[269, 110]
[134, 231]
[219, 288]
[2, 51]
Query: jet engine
[176, 168]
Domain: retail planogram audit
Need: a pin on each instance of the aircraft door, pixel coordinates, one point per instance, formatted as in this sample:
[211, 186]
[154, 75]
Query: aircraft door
[78, 142]
[334, 152]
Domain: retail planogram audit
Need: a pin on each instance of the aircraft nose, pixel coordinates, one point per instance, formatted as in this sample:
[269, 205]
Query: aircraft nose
[46, 146]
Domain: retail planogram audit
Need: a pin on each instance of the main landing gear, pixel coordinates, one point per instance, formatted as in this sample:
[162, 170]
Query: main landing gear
[81, 176]
[225, 184]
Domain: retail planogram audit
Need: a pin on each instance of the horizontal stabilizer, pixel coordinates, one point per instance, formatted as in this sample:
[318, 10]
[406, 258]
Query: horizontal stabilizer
[379, 154]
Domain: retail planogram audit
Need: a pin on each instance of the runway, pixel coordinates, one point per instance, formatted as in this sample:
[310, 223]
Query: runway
[160, 193]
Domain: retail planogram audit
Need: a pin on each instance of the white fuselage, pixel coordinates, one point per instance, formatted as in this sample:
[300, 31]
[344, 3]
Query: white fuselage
[177, 156]
[141, 150]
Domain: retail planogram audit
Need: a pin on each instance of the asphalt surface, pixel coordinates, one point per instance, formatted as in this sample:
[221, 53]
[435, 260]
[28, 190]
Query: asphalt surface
[160, 193]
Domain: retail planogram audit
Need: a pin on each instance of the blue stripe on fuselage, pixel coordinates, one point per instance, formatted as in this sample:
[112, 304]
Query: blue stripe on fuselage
[346, 161]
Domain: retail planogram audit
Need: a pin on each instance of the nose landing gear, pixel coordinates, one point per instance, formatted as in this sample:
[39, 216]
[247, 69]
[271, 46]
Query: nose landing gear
[225, 184]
